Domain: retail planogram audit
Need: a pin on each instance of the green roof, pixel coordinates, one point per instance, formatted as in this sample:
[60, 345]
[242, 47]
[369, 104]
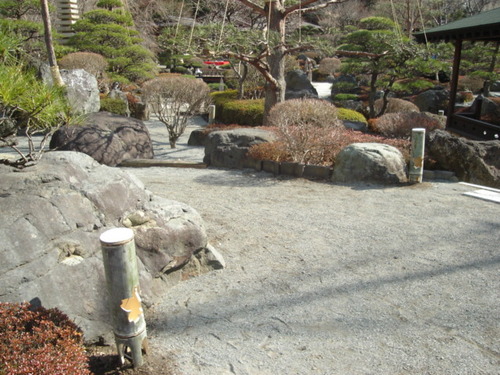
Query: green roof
[482, 26]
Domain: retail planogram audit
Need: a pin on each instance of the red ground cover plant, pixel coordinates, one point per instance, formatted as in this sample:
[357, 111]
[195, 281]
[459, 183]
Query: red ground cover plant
[39, 341]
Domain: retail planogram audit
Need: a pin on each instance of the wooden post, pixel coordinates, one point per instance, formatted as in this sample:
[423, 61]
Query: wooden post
[122, 278]
[454, 81]
[416, 169]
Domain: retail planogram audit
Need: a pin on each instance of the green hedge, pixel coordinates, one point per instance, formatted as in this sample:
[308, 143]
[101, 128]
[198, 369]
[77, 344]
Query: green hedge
[230, 110]
[341, 97]
[112, 105]
[243, 112]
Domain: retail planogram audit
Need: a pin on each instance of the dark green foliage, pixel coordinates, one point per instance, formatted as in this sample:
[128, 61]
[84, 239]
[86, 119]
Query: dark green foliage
[376, 23]
[39, 341]
[412, 86]
[220, 98]
[229, 110]
[109, 32]
[109, 4]
[341, 97]
[16, 9]
[114, 105]
[243, 112]
[216, 86]
[180, 69]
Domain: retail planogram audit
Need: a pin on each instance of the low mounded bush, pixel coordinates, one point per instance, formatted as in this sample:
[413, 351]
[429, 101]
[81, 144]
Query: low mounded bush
[472, 83]
[114, 105]
[329, 65]
[400, 125]
[39, 341]
[396, 105]
[304, 112]
[93, 63]
[350, 115]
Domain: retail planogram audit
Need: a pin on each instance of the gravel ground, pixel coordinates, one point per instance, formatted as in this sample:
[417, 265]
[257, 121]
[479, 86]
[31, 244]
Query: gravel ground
[330, 279]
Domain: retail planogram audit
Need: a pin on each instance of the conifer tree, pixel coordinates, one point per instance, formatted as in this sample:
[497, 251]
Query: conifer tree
[109, 31]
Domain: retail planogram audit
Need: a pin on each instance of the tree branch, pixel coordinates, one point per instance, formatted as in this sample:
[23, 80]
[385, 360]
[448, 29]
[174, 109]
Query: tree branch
[254, 6]
[257, 62]
[369, 55]
[304, 8]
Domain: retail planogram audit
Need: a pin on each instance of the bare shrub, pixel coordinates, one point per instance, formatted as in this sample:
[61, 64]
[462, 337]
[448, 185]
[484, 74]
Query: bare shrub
[329, 65]
[309, 144]
[175, 99]
[396, 105]
[93, 63]
[472, 83]
[304, 112]
[319, 146]
[275, 151]
[400, 125]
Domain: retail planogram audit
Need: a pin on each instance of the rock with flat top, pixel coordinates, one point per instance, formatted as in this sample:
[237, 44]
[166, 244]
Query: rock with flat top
[371, 163]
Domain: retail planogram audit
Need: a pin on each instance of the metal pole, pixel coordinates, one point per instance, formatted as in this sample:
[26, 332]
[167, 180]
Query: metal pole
[416, 169]
[122, 278]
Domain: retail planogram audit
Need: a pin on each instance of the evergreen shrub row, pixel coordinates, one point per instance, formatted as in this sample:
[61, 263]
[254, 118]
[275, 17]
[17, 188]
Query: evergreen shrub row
[230, 110]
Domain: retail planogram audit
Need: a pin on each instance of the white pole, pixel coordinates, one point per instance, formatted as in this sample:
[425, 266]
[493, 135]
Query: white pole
[211, 113]
[416, 169]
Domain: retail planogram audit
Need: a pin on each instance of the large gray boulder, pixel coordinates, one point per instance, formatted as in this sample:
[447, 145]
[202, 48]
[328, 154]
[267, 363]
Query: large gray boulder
[82, 89]
[52, 216]
[476, 162]
[298, 86]
[433, 100]
[108, 138]
[228, 148]
[370, 162]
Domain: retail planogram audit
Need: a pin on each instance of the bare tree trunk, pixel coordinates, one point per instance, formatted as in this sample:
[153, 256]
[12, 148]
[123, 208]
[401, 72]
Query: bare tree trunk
[275, 91]
[54, 69]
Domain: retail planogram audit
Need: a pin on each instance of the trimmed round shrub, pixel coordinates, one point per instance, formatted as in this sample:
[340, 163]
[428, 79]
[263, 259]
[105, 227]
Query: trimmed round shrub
[93, 63]
[350, 115]
[400, 125]
[304, 112]
[39, 341]
[396, 105]
[114, 105]
[329, 65]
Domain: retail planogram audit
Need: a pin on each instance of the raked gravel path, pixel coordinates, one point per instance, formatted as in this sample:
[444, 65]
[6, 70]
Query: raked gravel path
[330, 279]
